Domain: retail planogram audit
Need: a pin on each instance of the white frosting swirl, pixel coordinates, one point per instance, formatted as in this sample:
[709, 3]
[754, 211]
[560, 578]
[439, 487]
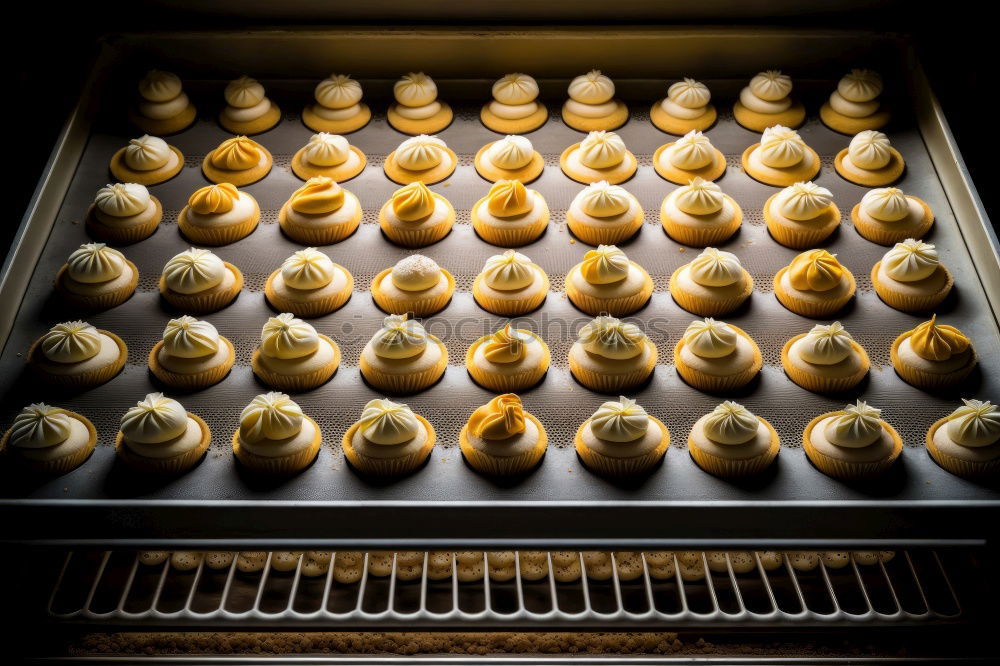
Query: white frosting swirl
[399, 337]
[287, 337]
[511, 152]
[71, 342]
[187, 337]
[709, 338]
[619, 420]
[592, 88]
[826, 344]
[699, 197]
[689, 94]
[327, 150]
[515, 88]
[611, 338]
[910, 261]
[421, 152]
[858, 426]
[147, 153]
[731, 423]
[771, 85]
[388, 423]
[39, 426]
[154, 419]
[308, 269]
[415, 273]
[93, 263]
[243, 92]
[193, 271]
[122, 199]
[715, 268]
[602, 150]
[869, 150]
[338, 91]
[415, 89]
[804, 201]
[860, 85]
[692, 151]
[602, 199]
[508, 271]
[160, 86]
[270, 416]
[975, 423]
[886, 204]
[781, 147]
[605, 265]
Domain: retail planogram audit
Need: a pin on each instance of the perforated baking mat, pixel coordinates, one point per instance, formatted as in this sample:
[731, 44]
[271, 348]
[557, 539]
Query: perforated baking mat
[559, 402]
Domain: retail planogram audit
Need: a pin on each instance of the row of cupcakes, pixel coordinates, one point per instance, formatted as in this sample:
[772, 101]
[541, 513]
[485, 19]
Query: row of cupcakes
[815, 284]
[780, 158]
[163, 107]
[609, 355]
[276, 438]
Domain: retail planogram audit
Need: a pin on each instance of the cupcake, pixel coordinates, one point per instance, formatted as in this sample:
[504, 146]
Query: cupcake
[852, 444]
[501, 439]
[607, 282]
[801, 215]
[686, 108]
[147, 160]
[815, 285]
[123, 213]
[512, 359]
[510, 158]
[869, 160]
[248, 110]
[96, 277]
[275, 437]
[415, 216]
[781, 158]
[239, 160]
[967, 441]
[713, 284]
[691, 156]
[198, 281]
[158, 436]
[887, 216]
[510, 215]
[402, 357]
[338, 108]
[699, 214]
[611, 356]
[416, 284]
[163, 107]
[76, 355]
[911, 278]
[49, 440]
[604, 214]
[855, 106]
[191, 356]
[767, 102]
[731, 442]
[308, 284]
[600, 156]
[825, 360]
[320, 212]
[218, 215]
[592, 105]
[933, 356]
[716, 356]
[329, 155]
[389, 440]
[292, 356]
[515, 108]
[417, 109]
[621, 439]
[510, 285]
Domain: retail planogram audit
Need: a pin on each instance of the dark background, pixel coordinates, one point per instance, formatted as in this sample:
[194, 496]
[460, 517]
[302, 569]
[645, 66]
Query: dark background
[51, 46]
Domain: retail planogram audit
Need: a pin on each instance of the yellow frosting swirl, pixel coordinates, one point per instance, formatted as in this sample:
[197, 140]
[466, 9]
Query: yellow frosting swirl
[910, 261]
[420, 152]
[602, 199]
[869, 150]
[214, 199]
[93, 263]
[886, 204]
[692, 151]
[612, 338]
[285, 337]
[71, 342]
[605, 265]
[602, 150]
[508, 198]
[975, 423]
[500, 418]
[619, 420]
[318, 196]
[270, 416]
[699, 197]
[308, 269]
[236, 154]
[804, 201]
[709, 338]
[193, 271]
[187, 337]
[937, 342]
[731, 423]
[815, 270]
[154, 419]
[399, 337]
[39, 426]
[388, 423]
[826, 344]
[506, 345]
[715, 268]
[856, 427]
[415, 273]
[508, 271]
[327, 150]
[592, 88]
[413, 202]
[511, 152]
[781, 147]
[122, 199]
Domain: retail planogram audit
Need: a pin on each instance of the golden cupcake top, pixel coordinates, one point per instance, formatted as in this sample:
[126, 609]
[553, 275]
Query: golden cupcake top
[71, 342]
[591, 88]
[236, 154]
[508, 198]
[308, 269]
[612, 338]
[243, 92]
[214, 199]
[415, 273]
[286, 336]
[318, 196]
[804, 201]
[886, 204]
[500, 418]
[692, 151]
[122, 199]
[689, 94]
[910, 261]
[621, 420]
[602, 150]
[193, 271]
[326, 150]
[825, 344]
[39, 426]
[781, 147]
[412, 202]
[508, 271]
[601, 199]
[187, 337]
[730, 423]
[93, 263]
[160, 86]
[515, 88]
[154, 419]
[857, 426]
[511, 152]
[869, 149]
[270, 416]
[815, 270]
[399, 338]
[699, 197]
[338, 91]
[605, 265]
[860, 85]
[506, 345]
[415, 89]
[147, 153]
[388, 423]
[421, 152]
[715, 268]
[938, 342]
[710, 338]
[976, 423]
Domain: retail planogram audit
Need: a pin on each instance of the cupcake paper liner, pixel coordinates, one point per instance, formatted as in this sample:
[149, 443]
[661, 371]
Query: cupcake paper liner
[706, 382]
[82, 380]
[603, 465]
[388, 466]
[964, 468]
[222, 235]
[123, 235]
[801, 236]
[818, 383]
[618, 306]
[702, 236]
[709, 307]
[193, 381]
[281, 465]
[507, 383]
[420, 307]
[907, 302]
[410, 382]
[314, 236]
[665, 122]
[508, 236]
[173, 465]
[301, 382]
[884, 234]
[313, 306]
[809, 308]
[842, 469]
[732, 468]
[55, 466]
[207, 301]
[421, 237]
[103, 301]
[504, 465]
[604, 235]
[611, 383]
[510, 307]
[928, 380]
[319, 124]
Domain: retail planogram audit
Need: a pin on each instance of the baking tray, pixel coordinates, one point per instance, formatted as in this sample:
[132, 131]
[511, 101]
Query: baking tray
[561, 503]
